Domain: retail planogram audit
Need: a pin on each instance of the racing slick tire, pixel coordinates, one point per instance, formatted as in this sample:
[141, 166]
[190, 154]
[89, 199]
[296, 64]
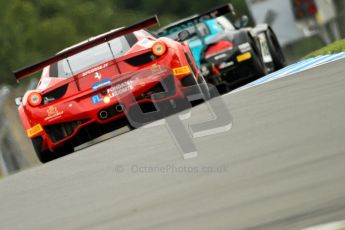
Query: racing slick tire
[275, 50]
[258, 65]
[47, 155]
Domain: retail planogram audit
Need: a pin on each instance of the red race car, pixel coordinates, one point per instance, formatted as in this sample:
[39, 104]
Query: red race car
[115, 79]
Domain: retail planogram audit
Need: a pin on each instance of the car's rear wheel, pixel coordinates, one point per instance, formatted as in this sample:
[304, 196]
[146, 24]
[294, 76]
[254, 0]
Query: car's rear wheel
[47, 155]
[258, 65]
[275, 50]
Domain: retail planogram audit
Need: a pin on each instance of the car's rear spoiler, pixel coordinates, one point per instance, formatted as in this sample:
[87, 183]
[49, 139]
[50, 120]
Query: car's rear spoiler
[214, 13]
[27, 71]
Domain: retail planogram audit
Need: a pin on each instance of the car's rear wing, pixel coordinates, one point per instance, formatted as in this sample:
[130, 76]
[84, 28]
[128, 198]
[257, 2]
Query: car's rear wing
[214, 13]
[27, 71]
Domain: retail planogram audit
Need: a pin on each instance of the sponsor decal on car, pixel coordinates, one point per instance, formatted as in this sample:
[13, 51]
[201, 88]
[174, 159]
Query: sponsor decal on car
[34, 131]
[220, 56]
[120, 88]
[244, 57]
[95, 69]
[244, 47]
[226, 64]
[101, 84]
[181, 70]
[98, 76]
[96, 99]
[53, 113]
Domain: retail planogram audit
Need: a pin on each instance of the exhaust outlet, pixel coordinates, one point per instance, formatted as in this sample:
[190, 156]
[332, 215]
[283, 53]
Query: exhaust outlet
[119, 108]
[103, 114]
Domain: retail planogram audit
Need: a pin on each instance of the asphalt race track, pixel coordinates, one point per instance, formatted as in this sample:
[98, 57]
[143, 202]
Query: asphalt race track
[281, 166]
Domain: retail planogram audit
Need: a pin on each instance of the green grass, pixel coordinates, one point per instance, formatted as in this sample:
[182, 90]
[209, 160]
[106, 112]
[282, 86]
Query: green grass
[336, 47]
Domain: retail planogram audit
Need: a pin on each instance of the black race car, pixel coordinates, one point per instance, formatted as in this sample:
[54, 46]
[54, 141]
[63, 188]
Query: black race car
[226, 53]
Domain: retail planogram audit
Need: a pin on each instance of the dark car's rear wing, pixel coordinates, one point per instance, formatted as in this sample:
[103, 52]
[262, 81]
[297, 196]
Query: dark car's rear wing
[214, 13]
[27, 71]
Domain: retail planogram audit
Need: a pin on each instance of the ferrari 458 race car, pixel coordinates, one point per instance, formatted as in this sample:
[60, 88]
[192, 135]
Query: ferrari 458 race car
[225, 53]
[126, 76]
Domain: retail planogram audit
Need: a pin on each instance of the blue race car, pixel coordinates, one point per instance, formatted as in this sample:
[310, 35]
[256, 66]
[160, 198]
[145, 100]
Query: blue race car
[227, 54]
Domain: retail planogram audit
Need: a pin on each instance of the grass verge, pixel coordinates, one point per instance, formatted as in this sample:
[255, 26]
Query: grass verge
[336, 47]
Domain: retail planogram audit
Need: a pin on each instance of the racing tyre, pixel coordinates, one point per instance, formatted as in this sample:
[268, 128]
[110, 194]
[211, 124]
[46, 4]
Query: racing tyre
[46, 155]
[275, 50]
[259, 68]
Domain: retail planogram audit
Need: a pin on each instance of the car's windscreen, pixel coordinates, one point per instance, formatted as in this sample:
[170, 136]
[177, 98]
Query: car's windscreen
[198, 30]
[93, 56]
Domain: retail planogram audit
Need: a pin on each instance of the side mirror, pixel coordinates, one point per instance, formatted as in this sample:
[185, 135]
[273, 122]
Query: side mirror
[242, 22]
[18, 101]
[183, 35]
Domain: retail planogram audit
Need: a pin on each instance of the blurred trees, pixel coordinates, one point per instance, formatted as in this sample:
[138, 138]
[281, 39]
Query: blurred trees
[36, 29]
